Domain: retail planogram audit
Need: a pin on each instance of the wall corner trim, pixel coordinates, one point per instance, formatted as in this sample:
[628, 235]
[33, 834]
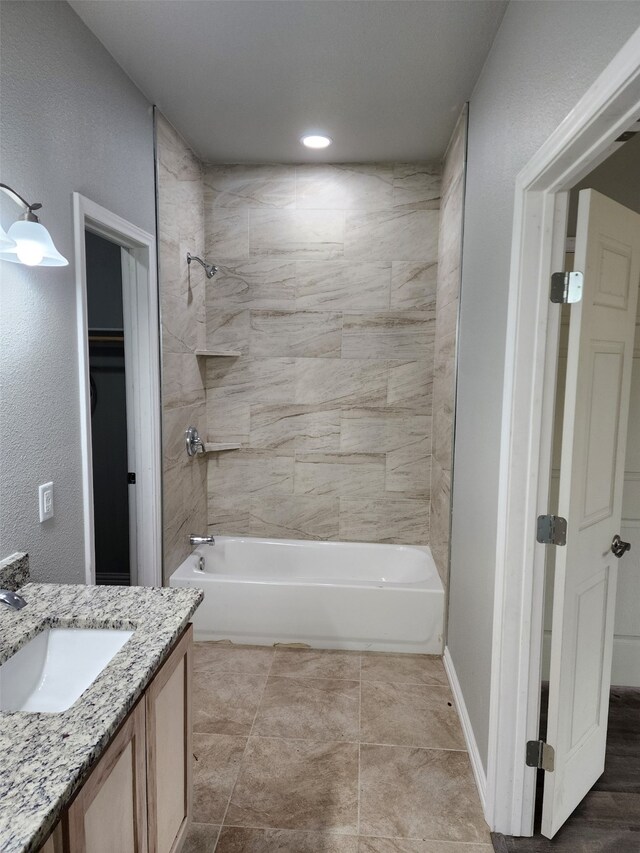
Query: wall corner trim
[474, 753]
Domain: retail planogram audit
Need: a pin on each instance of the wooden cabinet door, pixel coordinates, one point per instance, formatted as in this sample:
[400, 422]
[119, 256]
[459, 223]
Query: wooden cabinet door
[109, 814]
[168, 715]
[54, 843]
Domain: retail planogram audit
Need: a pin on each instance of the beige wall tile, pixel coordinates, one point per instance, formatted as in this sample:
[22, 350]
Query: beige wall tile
[347, 186]
[403, 235]
[339, 473]
[227, 330]
[268, 283]
[411, 385]
[227, 234]
[416, 186]
[447, 319]
[181, 228]
[227, 418]
[309, 334]
[440, 517]
[243, 472]
[249, 186]
[260, 380]
[401, 334]
[340, 381]
[174, 423]
[381, 430]
[174, 155]
[229, 514]
[182, 380]
[387, 520]
[448, 292]
[408, 468]
[413, 285]
[295, 517]
[291, 428]
[296, 234]
[327, 285]
[343, 285]
[182, 320]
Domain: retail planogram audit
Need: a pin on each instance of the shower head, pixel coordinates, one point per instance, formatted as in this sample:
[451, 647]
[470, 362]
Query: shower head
[209, 269]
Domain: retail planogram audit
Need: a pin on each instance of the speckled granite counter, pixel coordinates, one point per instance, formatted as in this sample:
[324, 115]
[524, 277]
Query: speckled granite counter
[45, 757]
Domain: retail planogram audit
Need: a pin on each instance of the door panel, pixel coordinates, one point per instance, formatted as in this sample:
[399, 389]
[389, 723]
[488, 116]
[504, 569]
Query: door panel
[596, 406]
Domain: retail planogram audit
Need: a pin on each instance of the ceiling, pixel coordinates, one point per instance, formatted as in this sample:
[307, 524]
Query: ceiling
[242, 80]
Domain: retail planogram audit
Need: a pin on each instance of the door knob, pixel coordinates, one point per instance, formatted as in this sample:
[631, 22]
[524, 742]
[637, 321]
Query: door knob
[619, 547]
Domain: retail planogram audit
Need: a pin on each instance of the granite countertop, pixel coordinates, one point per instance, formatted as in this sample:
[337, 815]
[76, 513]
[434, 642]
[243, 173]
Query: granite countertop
[44, 758]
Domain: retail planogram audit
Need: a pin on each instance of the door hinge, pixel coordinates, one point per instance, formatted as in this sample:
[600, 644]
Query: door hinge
[566, 287]
[552, 530]
[540, 755]
[131, 478]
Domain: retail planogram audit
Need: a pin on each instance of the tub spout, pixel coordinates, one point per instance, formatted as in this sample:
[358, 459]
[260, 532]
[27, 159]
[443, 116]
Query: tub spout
[201, 540]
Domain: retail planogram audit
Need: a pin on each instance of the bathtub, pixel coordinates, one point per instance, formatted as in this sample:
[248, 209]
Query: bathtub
[328, 595]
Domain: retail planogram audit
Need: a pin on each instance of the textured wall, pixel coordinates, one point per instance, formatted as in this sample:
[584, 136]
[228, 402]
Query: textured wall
[444, 379]
[529, 83]
[327, 287]
[70, 120]
[181, 230]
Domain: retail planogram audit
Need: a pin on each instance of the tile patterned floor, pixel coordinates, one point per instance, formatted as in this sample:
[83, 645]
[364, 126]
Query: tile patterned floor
[305, 751]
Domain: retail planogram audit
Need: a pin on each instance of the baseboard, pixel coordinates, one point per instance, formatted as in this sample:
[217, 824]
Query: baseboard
[474, 755]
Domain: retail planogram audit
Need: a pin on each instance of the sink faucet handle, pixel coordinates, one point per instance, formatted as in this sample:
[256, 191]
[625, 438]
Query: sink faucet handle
[12, 599]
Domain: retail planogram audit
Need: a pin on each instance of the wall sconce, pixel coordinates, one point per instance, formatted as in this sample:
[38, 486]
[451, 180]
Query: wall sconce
[27, 241]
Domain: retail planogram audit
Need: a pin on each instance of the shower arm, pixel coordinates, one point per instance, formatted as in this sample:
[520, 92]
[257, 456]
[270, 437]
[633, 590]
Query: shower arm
[209, 269]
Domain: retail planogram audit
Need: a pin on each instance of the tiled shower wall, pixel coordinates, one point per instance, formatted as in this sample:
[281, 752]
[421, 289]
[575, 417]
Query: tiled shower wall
[180, 230]
[327, 288]
[448, 297]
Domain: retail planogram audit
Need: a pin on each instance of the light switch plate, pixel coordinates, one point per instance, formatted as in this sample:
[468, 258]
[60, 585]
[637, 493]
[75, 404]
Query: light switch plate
[46, 501]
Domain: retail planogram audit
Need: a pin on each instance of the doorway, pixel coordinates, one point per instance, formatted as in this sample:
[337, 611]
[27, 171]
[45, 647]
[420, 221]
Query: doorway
[584, 140]
[114, 513]
[118, 347]
[604, 816]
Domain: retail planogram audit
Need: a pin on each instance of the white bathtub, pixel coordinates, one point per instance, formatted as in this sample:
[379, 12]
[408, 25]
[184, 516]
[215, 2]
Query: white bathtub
[329, 595]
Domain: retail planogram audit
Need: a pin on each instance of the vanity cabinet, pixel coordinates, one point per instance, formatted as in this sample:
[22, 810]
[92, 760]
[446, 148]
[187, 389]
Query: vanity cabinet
[168, 716]
[137, 799]
[110, 811]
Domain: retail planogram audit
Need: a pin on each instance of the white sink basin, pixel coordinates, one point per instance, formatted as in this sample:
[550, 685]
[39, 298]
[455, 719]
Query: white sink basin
[53, 669]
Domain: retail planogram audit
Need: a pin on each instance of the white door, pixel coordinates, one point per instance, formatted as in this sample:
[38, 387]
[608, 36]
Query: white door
[599, 360]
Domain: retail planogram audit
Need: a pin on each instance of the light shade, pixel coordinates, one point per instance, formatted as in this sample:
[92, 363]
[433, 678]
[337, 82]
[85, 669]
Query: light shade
[33, 246]
[5, 241]
[316, 140]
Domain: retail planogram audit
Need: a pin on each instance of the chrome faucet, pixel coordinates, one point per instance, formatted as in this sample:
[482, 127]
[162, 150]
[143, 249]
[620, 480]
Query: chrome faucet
[201, 540]
[11, 599]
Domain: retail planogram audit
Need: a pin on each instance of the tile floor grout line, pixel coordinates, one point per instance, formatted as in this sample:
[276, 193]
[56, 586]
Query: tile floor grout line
[335, 833]
[244, 751]
[340, 741]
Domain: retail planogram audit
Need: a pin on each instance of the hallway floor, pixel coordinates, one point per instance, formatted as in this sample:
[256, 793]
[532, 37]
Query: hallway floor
[305, 751]
[608, 819]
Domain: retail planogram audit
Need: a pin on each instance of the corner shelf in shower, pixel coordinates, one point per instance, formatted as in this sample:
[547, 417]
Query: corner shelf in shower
[218, 353]
[219, 446]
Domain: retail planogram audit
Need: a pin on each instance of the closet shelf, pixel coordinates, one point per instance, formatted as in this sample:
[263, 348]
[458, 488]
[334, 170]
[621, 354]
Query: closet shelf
[218, 353]
[219, 446]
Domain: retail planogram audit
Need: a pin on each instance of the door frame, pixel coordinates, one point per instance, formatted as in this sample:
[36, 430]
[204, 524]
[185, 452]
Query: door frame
[140, 295]
[582, 141]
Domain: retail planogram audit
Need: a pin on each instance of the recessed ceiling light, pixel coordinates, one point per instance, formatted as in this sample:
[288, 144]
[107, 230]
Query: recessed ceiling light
[314, 140]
